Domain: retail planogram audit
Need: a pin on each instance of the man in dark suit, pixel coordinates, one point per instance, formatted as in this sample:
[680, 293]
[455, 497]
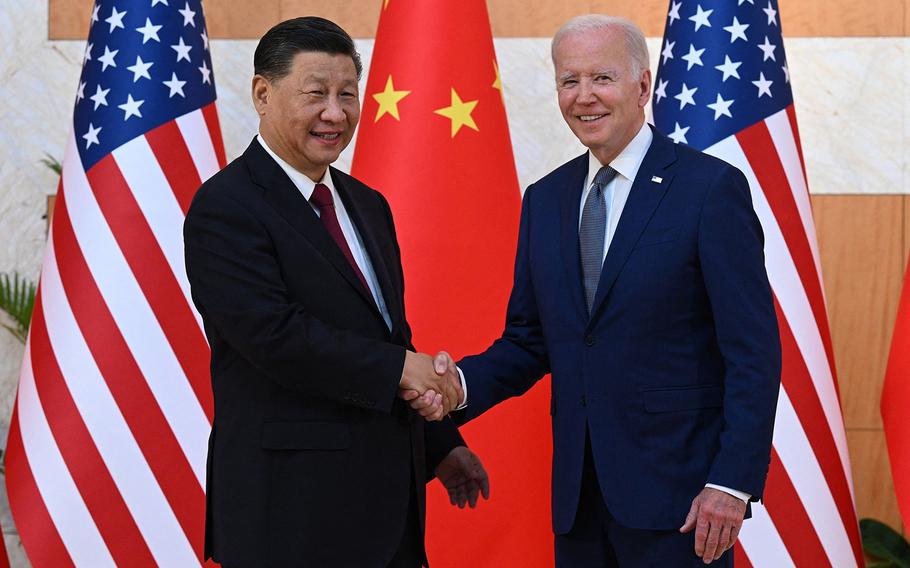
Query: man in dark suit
[294, 266]
[640, 285]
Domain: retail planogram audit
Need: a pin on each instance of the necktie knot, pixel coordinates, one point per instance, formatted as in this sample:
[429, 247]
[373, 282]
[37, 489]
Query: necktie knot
[603, 176]
[322, 197]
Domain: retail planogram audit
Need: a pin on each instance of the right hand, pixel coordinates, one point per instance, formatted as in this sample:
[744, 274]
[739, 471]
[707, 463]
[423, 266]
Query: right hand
[431, 386]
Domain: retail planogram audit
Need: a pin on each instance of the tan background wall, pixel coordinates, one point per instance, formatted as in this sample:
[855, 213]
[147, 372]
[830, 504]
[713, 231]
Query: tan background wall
[234, 19]
[864, 239]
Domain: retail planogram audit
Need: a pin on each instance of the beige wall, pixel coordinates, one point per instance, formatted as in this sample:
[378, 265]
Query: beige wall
[514, 18]
[864, 239]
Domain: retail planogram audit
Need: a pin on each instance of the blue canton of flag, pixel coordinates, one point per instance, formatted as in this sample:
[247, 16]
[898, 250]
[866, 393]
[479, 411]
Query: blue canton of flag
[722, 68]
[145, 63]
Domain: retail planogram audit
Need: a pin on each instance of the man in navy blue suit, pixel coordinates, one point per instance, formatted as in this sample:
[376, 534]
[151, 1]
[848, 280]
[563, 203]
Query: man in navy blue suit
[640, 285]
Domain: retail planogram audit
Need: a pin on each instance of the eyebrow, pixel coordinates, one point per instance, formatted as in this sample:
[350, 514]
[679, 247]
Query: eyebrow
[606, 71]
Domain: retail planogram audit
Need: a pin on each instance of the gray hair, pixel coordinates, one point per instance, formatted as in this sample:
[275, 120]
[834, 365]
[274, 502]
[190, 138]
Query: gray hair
[635, 39]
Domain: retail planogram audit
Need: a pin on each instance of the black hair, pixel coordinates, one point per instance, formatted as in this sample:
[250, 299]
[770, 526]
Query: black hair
[279, 45]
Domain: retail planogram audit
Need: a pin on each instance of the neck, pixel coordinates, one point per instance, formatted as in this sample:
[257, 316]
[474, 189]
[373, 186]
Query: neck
[315, 173]
[607, 155]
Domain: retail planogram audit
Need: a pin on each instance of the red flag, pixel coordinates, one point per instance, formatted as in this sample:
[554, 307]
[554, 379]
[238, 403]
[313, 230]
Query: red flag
[896, 401]
[4, 557]
[434, 139]
[107, 446]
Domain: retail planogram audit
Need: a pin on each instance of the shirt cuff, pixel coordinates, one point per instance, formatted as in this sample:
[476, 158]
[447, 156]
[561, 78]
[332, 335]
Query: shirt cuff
[738, 494]
[464, 389]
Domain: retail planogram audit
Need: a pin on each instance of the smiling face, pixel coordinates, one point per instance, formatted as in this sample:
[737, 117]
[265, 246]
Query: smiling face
[599, 97]
[308, 116]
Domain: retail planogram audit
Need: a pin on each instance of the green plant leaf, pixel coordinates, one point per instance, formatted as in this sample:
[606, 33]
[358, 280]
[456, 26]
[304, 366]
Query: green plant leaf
[884, 543]
[17, 299]
[53, 163]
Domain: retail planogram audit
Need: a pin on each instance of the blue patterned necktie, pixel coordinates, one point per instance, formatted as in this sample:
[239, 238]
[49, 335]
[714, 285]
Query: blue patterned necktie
[593, 231]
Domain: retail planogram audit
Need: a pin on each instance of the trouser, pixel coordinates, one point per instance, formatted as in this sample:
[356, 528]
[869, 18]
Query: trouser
[597, 540]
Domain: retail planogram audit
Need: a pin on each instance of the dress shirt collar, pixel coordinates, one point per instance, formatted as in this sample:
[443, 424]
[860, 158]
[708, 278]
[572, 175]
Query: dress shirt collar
[629, 160]
[305, 185]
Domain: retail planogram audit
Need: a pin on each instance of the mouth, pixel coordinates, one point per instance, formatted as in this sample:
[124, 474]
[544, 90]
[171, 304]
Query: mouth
[590, 117]
[328, 137]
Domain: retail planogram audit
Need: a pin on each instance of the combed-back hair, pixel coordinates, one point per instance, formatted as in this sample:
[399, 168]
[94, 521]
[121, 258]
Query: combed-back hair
[635, 39]
[279, 45]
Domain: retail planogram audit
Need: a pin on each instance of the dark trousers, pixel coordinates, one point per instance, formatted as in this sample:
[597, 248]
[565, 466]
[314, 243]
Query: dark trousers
[598, 541]
[410, 549]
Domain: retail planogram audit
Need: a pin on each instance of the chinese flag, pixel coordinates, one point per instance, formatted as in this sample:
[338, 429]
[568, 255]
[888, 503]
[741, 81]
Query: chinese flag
[896, 401]
[435, 141]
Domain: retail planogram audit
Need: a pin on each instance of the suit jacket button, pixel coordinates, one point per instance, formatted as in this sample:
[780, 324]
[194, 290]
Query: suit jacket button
[584, 401]
[589, 340]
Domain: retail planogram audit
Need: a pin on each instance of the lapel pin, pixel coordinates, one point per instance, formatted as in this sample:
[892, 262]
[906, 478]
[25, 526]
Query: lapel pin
[657, 179]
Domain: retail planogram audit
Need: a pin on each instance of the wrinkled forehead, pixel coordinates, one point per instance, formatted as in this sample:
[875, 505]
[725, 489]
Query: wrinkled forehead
[606, 45]
[322, 66]
[594, 54]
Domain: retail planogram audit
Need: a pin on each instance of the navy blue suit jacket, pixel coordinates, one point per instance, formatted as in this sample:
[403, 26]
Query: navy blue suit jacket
[676, 372]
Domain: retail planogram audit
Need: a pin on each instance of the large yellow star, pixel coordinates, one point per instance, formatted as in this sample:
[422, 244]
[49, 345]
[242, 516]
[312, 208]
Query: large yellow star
[459, 112]
[388, 100]
[497, 84]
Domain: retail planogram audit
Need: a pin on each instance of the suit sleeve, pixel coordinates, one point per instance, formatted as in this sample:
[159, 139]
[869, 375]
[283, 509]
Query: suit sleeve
[518, 359]
[441, 438]
[730, 244]
[238, 287]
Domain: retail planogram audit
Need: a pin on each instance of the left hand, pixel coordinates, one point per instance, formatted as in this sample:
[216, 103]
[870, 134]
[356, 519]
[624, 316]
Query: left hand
[464, 477]
[716, 517]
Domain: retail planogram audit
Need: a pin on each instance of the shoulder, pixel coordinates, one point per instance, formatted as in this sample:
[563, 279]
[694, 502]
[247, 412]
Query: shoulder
[230, 187]
[699, 166]
[553, 182]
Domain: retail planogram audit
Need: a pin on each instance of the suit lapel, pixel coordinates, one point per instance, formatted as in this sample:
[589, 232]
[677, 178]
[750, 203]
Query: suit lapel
[363, 216]
[281, 193]
[568, 218]
[645, 196]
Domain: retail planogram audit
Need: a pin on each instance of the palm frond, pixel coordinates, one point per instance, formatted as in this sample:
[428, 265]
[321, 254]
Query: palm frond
[17, 299]
[53, 163]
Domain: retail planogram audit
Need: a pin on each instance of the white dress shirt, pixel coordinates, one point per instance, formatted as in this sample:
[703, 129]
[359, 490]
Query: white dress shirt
[306, 187]
[616, 193]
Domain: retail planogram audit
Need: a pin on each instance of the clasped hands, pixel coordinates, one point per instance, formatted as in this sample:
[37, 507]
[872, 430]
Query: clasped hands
[431, 385]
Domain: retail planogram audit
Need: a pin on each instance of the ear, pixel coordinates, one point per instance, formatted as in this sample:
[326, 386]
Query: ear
[645, 88]
[261, 91]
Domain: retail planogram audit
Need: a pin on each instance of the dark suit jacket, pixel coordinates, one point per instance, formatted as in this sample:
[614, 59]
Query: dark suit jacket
[312, 458]
[675, 374]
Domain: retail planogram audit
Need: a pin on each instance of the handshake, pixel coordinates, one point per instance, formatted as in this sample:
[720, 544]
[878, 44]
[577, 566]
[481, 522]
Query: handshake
[431, 385]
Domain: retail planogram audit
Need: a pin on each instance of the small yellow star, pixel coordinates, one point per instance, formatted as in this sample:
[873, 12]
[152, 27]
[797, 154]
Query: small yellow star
[385, 4]
[388, 100]
[497, 84]
[459, 112]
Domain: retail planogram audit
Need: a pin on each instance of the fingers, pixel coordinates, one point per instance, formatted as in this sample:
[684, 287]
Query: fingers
[723, 542]
[443, 362]
[719, 518]
[690, 518]
[713, 539]
[428, 405]
[408, 395]
[480, 477]
[702, 527]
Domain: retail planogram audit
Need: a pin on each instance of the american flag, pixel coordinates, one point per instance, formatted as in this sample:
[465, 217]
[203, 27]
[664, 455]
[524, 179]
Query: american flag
[723, 86]
[107, 447]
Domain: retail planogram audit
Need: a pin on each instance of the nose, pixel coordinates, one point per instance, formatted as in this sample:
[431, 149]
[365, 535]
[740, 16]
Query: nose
[585, 92]
[333, 111]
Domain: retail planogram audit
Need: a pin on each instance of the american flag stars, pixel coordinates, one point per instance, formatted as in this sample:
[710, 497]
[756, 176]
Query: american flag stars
[732, 73]
[144, 64]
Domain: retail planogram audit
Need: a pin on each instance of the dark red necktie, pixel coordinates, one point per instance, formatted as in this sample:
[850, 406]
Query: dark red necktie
[322, 199]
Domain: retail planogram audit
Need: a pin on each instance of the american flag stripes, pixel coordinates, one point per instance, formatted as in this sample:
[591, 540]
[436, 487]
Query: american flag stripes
[723, 86]
[106, 455]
